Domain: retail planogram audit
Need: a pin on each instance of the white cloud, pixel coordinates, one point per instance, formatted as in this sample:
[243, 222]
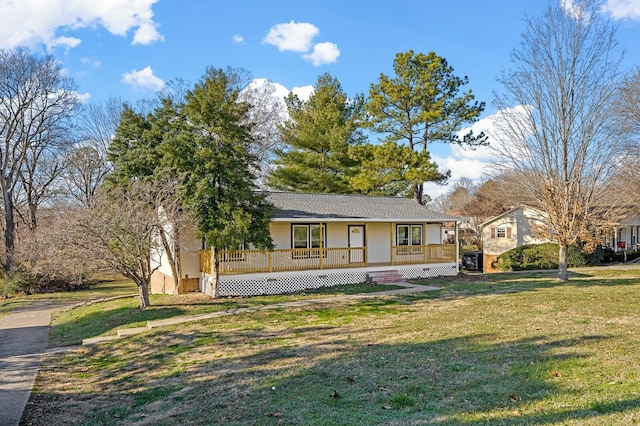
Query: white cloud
[31, 22]
[147, 34]
[323, 53]
[91, 62]
[143, 79]
[303, 92]
[462, 164]
[280, 92]
[237, 38]
[84, 97]
[620, 9]
[294, 36]
[68, 42]
[571, 8]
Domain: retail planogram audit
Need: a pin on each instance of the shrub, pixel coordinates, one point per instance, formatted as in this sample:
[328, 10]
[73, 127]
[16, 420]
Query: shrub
[11, 284]
[543, 256]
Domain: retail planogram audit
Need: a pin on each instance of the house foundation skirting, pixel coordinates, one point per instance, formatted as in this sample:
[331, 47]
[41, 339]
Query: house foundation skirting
[290, 282]
[162, 284]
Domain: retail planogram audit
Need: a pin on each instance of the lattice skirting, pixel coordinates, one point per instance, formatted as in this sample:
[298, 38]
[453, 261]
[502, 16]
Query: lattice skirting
[428, 271]
[289, 282]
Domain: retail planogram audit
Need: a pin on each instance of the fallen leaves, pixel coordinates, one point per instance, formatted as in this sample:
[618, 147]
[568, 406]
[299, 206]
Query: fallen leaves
[278, 415]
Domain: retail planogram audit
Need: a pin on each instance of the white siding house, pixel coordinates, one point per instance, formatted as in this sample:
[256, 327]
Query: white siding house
[511, 229]
[327, 239]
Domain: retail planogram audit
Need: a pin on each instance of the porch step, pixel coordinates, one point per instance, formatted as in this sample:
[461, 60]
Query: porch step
[385, 277]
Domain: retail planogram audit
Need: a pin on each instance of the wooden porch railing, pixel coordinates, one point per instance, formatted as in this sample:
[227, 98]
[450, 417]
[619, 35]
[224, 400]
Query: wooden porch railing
[254, 261]
[432, 253]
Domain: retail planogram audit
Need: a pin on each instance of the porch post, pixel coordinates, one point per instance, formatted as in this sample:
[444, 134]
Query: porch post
[425, 246]
[321, 245]
[365, 254]
[391, 225]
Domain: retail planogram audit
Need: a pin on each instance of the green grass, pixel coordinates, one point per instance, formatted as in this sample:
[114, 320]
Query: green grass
[72, 326]
[504, 349]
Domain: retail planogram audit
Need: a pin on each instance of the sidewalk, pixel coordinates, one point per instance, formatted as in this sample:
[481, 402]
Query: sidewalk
[23, 341]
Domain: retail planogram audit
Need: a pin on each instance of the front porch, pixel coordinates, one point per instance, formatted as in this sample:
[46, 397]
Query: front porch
[284, 260]
[259, 272]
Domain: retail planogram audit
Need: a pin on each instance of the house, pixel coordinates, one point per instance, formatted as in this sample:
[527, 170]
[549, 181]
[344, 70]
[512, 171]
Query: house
[324, 240]
[511, 229]
[622, 233]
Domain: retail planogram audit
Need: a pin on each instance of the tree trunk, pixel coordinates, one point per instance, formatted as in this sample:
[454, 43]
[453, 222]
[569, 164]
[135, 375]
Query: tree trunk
[417, 192]
[215, 291]
[563, 273]
[33, 215]
[143, 292]
[178, 255]
[10, 228]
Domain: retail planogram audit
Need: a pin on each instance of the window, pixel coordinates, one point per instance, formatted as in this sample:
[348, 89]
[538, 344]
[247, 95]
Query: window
[307, 236]
[409, 235]
[501, 232]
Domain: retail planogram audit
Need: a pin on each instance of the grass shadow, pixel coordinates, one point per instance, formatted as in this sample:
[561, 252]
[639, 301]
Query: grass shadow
[333, 379]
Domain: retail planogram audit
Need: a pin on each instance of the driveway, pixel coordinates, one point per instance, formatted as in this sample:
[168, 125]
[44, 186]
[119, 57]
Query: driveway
[23, 341]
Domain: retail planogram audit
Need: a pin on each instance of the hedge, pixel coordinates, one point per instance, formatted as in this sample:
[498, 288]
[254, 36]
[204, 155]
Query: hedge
[544, 256]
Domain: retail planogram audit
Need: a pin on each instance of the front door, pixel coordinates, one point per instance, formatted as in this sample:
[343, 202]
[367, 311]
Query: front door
[356, 243]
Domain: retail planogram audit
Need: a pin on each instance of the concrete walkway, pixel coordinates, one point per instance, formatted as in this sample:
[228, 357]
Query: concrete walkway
[23, 341]
[24, 334]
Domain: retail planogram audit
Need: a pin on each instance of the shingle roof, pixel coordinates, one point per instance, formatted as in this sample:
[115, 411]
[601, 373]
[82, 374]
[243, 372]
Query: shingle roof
[306, 206]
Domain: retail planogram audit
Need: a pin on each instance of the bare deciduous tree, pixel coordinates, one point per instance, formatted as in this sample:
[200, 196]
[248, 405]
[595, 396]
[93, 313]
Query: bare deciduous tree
[48, 254]
[121, 231]
[629, 106]
[557, 138]
[265, 113]
[86, 165]
[37, 100]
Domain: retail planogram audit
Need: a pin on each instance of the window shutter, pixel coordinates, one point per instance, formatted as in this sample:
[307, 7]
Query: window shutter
[508, 233]
[493, 232]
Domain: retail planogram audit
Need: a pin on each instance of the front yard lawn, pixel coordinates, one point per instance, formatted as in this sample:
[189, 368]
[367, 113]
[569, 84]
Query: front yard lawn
[500, 349]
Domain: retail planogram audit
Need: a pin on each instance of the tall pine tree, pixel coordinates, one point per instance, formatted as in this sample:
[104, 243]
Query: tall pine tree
[422, 104]
[318, 137]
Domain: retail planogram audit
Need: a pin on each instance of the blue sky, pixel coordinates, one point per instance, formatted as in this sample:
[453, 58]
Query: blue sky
[130, 48]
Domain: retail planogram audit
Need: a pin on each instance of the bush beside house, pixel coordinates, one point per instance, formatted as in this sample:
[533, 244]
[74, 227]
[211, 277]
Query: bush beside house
[544, 256]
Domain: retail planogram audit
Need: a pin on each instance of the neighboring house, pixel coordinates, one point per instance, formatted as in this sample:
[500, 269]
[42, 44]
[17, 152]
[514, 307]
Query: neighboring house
[325, 240]
[511, 229]
[623, 233]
